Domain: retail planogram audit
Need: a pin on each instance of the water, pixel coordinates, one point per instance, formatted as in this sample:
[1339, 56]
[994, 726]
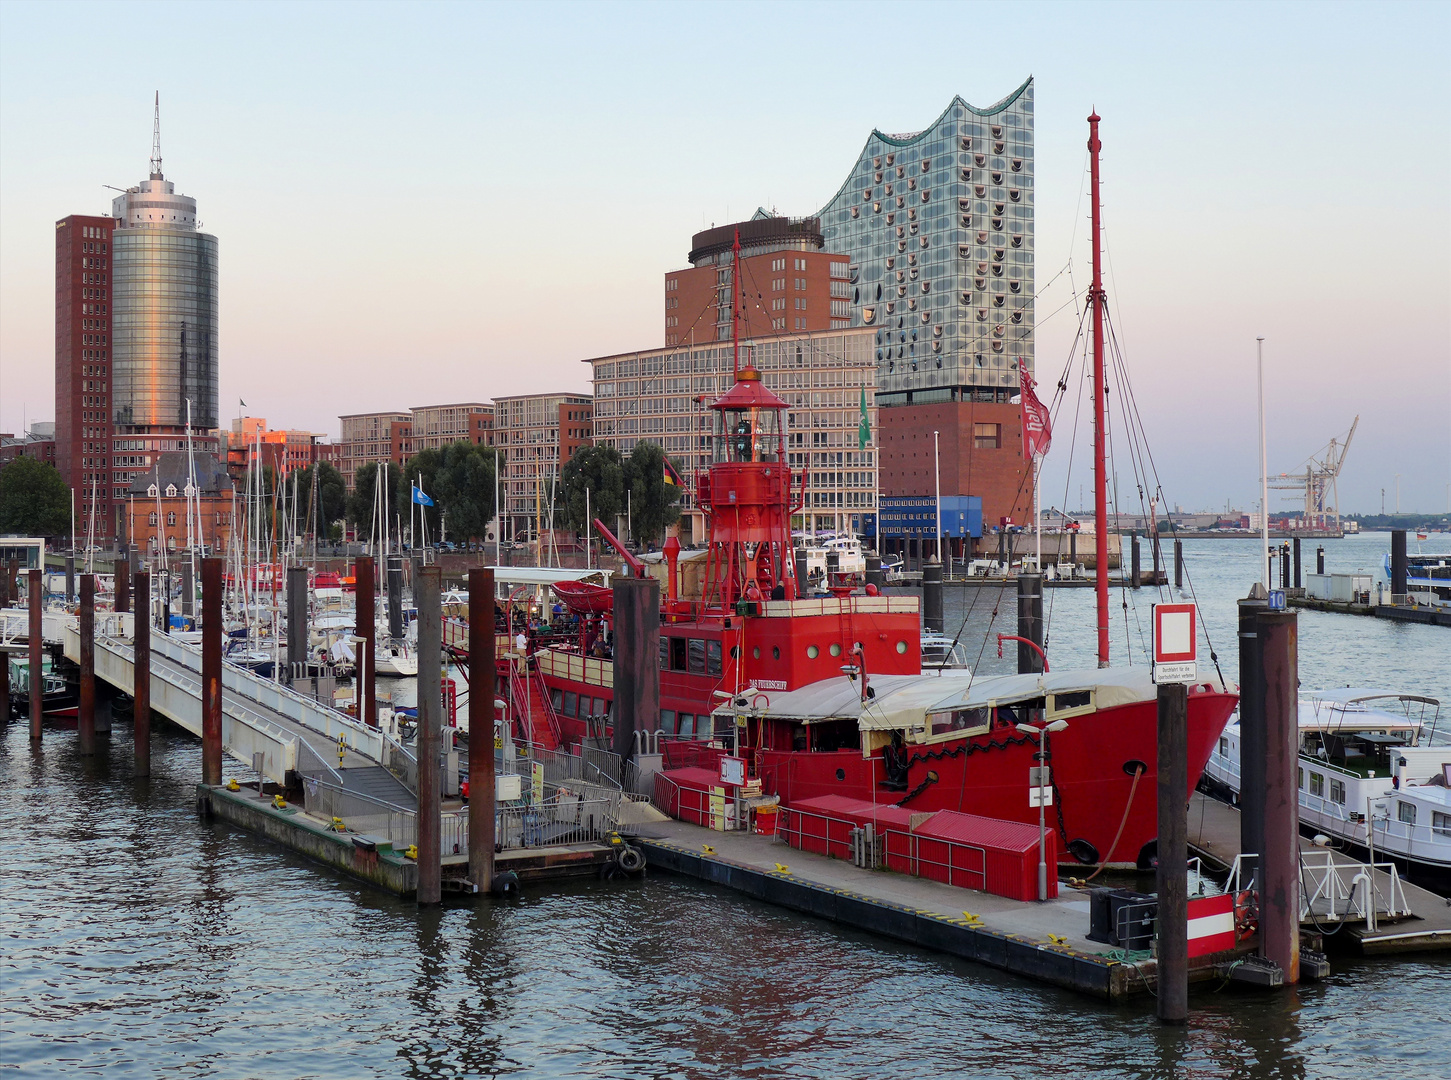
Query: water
[137, 939]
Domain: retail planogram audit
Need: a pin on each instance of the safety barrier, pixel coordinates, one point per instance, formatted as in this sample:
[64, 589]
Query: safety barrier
[359, 813]
[1345, 889]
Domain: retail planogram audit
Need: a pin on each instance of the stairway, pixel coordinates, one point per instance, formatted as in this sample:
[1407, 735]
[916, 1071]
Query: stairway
[538, 713]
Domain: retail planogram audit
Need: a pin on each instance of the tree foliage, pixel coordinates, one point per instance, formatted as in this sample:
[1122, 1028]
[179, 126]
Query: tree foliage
[652, 501]
[459, 478]
[319, 509]
[34, 500]
[360, 509]
[600, 471]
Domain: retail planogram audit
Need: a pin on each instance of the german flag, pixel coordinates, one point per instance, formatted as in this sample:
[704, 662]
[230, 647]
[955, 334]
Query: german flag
[671, 476]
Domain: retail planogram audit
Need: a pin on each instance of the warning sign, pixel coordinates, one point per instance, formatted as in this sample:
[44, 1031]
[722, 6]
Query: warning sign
[1175, 643]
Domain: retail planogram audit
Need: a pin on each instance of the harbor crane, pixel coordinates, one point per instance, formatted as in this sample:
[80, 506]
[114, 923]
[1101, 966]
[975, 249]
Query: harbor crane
[1317, 478]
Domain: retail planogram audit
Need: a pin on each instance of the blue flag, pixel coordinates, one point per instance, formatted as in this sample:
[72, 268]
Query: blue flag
[420, 498]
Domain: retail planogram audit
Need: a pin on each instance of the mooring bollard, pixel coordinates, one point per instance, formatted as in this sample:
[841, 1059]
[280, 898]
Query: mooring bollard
[212, 672]
[1173, 851]
[86, 705]
[426, 595]
[481, 729]
[141, 674]
[932, 595]
[36, 600]
[367, 629]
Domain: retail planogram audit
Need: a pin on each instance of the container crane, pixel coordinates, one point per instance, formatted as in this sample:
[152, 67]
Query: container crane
[1319, 477]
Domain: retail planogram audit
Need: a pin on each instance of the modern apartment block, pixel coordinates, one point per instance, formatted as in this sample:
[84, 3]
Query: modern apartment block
[436, 426]
[536, 434]
[83, 366]
[791, 284]
[373, 437]
[663, 396]
[283, 451]
[938, 227]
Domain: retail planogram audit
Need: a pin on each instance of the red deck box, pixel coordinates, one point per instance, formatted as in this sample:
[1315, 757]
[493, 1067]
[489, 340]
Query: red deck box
[685, 793]
[1000, 857]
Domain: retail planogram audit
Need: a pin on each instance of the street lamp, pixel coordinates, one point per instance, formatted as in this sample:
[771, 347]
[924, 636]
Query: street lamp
[1043, 783]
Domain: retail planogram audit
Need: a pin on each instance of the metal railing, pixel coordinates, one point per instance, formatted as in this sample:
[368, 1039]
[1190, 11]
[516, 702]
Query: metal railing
[958, 863]
[400, 762]
[1345, 889]
[359, 813]
[567, 818]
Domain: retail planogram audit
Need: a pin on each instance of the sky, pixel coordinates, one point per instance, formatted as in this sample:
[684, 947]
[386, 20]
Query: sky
[427, 203]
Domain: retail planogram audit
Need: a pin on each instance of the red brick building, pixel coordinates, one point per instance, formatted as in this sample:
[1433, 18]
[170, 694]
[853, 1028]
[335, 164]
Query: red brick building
[83, 364]
[791, 284]
[981, 448]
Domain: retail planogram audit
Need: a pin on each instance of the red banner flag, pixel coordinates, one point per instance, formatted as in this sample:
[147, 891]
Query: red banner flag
[1037, 424]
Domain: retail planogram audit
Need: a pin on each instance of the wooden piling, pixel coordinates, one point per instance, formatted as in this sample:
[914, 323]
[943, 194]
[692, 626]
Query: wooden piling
[426, 596]
[367, 629]
[1278, 641]
[36, 600]
[86, 706]
[141, 675]
[1173, 846]
[481, 729]
[212, 672]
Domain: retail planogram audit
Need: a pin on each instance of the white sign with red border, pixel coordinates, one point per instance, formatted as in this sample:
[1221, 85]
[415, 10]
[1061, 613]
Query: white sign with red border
[1175, 643]
[733, 771]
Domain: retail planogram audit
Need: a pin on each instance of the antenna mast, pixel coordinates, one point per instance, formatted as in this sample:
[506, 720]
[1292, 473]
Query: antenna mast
[156, 141]
[1100, 470]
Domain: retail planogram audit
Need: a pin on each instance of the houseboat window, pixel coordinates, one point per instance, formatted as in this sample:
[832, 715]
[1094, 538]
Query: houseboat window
[959, 720]
[571, 703]
[835, 648]
[664, 652]
[1302, 779]
[557, 698]
[712, 658]
[1317, 784]
[667, 721]
[677, 654]
[735, 651]
[1078, 699]
[1406, 812]
[687, 725]
[1337, 791]
[1223, 746]
[812, 652]
[697, 656]
[603, 707]
[1441, 823]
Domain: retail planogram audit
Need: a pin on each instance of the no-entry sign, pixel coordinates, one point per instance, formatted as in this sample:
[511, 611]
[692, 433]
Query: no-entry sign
[1175, 643]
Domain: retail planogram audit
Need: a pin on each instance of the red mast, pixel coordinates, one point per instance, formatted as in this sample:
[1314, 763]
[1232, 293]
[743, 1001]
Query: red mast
[737, 292]
[1100, 470]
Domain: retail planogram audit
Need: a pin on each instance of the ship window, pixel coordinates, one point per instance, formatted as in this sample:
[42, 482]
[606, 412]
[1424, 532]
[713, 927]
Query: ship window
[1223, 746]
[835, 648]
[812, 652]
[1440, 823]
[1317, 784]
[959, 720]
[1406, 812]
[678, 649]
[664, 653]
[604, 708]
[697, 656]
[667, 721]
[712, 658]
[556, 698]
[687, 725]
[901, 648]
[1302, 779]
[756, 652]
[775, 652]
[1337, 791]
[571, 703]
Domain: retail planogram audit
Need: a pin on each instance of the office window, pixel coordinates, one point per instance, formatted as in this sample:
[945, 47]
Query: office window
[987, 436]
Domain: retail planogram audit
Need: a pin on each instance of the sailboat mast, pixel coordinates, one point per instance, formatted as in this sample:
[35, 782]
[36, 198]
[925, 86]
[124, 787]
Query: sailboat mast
[738, 302]
[1100, 470]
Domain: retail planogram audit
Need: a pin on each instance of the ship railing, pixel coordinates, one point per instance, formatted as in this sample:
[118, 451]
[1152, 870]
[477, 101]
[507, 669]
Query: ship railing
[400, 762]
[576, 667]
[562, 767]
[566, 818]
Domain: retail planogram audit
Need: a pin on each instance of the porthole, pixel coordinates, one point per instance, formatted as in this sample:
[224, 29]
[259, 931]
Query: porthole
[812, 652]
[835, 649]
[775, 652]
[756, 652]
[841, 774]
[901, 648]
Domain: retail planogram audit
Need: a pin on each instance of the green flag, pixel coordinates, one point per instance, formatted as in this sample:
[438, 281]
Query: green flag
[864, 426]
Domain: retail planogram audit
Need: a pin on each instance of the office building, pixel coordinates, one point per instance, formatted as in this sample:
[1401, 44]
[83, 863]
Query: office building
[373, 437]
[83, 366]
[536, 434]
[437, 426]
[790, 283]
[663, 396]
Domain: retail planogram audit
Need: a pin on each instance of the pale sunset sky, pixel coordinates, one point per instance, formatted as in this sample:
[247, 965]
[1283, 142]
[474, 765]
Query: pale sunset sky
[425, 203]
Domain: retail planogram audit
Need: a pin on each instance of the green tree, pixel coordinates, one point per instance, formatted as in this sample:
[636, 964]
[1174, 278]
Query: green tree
[360, 509]
[318, 509]
[463, 487]
[600, 471]
[34, 500]
[422, 469]
[652, 500]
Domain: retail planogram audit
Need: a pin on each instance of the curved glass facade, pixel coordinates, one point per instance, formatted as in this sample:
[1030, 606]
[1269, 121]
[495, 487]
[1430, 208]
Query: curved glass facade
[164, 327]
[939, 227]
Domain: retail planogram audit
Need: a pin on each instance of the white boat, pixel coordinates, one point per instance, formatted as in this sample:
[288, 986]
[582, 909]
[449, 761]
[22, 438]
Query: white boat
[847, 548]
[1370, 775]
[1428, 577]
[393, 658]
[941, 653]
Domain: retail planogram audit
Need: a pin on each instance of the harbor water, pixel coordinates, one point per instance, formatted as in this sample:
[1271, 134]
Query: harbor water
[139, 940]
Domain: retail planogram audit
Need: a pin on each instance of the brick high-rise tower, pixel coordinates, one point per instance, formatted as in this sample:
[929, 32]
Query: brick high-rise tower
[83, 364]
